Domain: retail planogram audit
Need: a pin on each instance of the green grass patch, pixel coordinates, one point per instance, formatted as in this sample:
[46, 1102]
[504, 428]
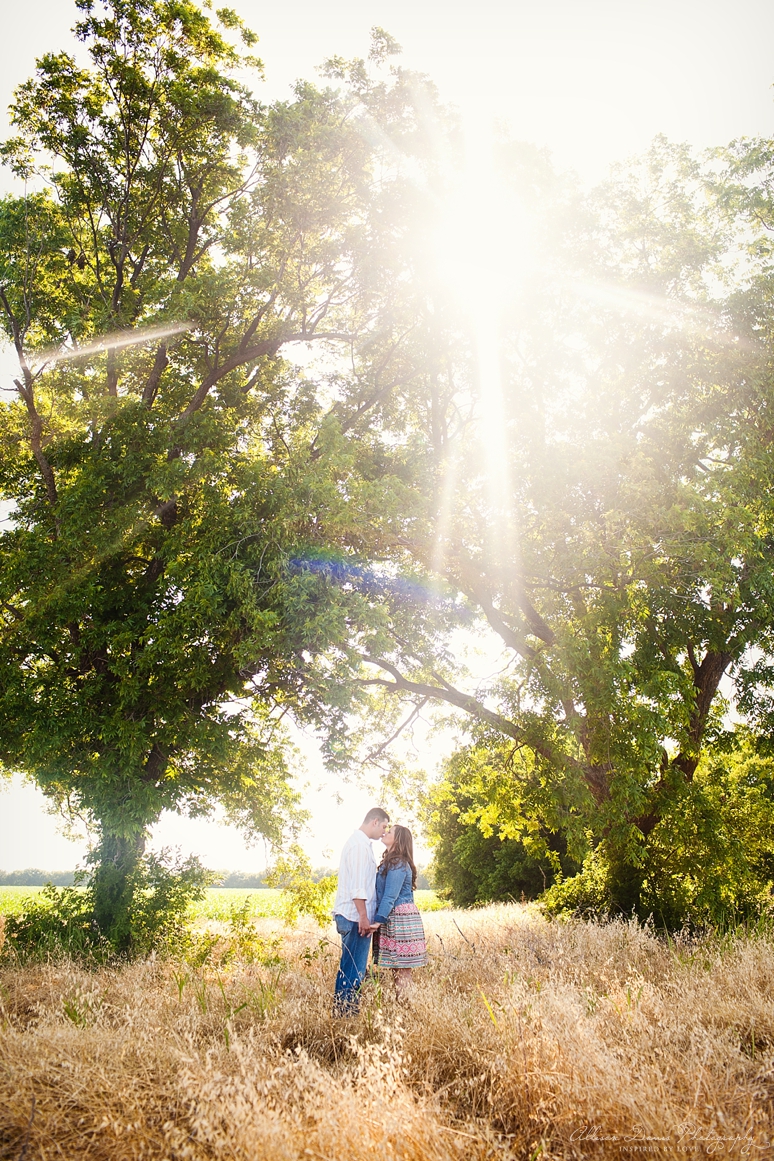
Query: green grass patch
[266, 903]
[13, 899]
[218, 903]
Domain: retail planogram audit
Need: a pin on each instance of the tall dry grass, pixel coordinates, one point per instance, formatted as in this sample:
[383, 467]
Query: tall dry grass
[524, 1039]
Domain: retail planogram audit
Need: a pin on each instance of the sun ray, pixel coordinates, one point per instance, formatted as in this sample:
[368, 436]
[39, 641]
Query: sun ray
[115, 342]
[673, 313]
[443, 518]
[484, 255]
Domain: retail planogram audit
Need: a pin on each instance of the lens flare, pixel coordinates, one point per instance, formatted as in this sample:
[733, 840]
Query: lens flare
[672, 313]
[114, 342]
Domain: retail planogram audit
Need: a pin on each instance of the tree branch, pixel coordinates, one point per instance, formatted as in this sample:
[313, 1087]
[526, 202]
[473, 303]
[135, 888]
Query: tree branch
[379, 750]
[594, 776]
[249, 355]
[706, 679]
[509, 635]
[267, 347]
[160, 363]
[26, 390]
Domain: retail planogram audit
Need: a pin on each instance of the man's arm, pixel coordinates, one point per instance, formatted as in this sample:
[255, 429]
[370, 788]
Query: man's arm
[363, 884]
[363, 922]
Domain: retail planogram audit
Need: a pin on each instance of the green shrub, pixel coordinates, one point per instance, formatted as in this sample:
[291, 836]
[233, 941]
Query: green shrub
[587, 894]
[60, 921]
[163, 889]
[292, 873]
[475, 860]
[709, 862]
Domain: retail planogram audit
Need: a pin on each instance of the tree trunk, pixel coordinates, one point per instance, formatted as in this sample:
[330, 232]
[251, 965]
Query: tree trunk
[116, 858]
[624, 881]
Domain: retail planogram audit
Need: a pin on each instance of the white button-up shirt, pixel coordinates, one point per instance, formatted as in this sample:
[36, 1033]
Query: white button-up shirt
[357, 877]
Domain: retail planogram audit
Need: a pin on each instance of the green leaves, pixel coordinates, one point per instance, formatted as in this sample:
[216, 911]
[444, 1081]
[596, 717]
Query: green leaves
[171, 470]
[614, 531]
[208, 536]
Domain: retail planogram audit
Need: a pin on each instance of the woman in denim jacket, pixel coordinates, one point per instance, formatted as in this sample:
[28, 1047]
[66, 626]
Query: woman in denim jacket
[399, 936]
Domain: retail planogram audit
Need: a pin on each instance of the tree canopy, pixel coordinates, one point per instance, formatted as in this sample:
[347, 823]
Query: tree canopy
[304, 392]
[600, 496]
[173, 477]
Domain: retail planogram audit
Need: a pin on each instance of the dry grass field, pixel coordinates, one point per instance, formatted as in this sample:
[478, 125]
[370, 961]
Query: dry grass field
[524, 1039]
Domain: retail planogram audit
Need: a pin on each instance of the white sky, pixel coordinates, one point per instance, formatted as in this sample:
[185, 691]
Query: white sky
[592, 80]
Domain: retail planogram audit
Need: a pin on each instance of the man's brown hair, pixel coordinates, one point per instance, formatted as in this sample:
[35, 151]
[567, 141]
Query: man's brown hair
[376, 813]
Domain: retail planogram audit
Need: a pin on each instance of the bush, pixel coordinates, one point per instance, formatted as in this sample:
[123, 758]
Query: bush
[60, 921]
[293, 874]
[709, 862]
[474, 861]
[57, 923]
[587, 894]
[242, 943]
[163, 890]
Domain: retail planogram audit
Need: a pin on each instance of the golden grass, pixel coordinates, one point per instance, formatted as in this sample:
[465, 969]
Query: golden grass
[524, 1039]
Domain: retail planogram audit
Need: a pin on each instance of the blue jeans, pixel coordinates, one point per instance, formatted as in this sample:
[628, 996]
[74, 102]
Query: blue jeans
[352, 968]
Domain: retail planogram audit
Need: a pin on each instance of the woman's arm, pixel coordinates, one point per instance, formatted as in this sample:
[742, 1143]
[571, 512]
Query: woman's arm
[394, 882]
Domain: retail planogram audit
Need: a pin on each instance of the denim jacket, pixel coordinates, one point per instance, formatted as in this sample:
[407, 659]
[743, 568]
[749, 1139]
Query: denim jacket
[392, 889]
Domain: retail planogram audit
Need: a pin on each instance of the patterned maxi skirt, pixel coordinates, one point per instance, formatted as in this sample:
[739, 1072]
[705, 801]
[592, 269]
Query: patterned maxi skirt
[400, 941]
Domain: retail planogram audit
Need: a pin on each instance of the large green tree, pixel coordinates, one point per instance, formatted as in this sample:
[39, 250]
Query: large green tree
[171, 477]
[569, 450]
[602, 501]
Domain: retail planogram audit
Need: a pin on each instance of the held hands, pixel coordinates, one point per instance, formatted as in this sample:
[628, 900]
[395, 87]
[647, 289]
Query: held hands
[364, 925]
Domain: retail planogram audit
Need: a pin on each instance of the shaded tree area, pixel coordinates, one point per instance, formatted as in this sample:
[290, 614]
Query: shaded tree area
[478, 857]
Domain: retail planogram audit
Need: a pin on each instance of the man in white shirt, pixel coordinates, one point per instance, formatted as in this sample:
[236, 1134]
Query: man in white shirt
[353, 909]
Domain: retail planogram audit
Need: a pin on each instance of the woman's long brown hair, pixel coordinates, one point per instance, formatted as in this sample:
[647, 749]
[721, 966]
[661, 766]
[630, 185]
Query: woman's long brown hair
[401, 851]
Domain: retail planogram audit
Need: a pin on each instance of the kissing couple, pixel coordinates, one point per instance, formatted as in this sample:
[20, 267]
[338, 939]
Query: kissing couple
[376, 904]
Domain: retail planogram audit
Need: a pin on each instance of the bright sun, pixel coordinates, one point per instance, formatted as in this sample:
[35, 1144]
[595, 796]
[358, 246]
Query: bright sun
[484, 252]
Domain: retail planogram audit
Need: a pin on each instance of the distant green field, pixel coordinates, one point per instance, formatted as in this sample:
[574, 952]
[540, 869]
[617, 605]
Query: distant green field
[217, 904]
[266, 902]
[12, 898]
